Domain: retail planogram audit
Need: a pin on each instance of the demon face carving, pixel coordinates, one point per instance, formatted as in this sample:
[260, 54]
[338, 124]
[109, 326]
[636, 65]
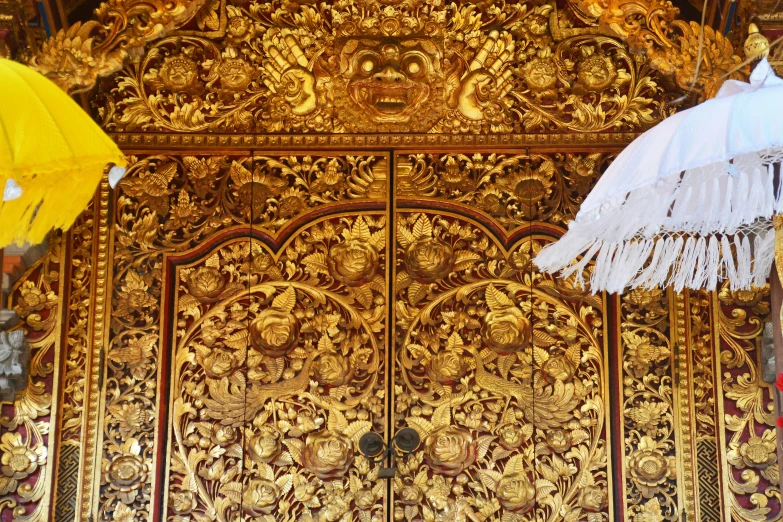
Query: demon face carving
[390, 82]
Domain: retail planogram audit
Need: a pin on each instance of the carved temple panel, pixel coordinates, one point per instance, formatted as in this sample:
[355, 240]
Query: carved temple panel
[327, 229]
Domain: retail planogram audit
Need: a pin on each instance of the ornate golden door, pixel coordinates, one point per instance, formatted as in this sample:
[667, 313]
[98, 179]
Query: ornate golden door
[326, 230]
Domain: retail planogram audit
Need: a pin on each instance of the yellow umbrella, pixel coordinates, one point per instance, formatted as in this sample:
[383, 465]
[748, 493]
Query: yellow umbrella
[52, 156]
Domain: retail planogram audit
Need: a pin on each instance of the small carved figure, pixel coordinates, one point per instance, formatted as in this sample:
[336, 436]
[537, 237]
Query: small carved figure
[14, 357]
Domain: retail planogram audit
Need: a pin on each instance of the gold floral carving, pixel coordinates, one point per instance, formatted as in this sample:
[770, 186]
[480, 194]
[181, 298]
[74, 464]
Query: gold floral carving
[752, 480]
[278, 354]
[511, 190]
[501, 372]
[280, 372]
[25, 443]
[421, 66]
[648, 421]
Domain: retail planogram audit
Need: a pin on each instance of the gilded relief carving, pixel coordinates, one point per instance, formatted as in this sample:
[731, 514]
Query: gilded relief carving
[280, 373]
[511, 190]
[752, 486]
[25, 444]
[501, 372]
[287, 331]
[648, 408]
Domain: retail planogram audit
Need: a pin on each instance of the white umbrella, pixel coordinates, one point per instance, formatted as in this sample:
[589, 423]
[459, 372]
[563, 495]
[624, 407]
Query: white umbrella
[688, 203]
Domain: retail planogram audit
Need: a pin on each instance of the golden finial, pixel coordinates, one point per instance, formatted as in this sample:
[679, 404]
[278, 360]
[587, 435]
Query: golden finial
[756, 45]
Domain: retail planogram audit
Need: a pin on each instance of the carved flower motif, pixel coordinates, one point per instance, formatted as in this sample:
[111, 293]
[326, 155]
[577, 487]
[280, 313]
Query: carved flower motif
[130, 417]
[32, 299]
[205, 283]
[428, 260]
[649, 512]
[239, 28]
[506, 330]
[126, 472]
[136, 354]
[327, 455]
[528, 185]
[133, 295]
[353, 262]
[515, 492]
[447, 367]
[595, 71]
[757, 452]
[235, 73]
[559, 440]
[454, 175]
[365, 499]
[332, 369]
[274, 332]
[750, 298]
[540, 72]
[292, 202]
[223, 434]
[265, 445]
[182, 502]
[254, 188]
[511, 436]
[642, 353]
[592, 498]
[649, 467]
[490, 200]
[647, 416]
[179, 74]
[411, 494]
[449, 450]
[18, 461]
[330, 178]
[260, 497]
[220, 362]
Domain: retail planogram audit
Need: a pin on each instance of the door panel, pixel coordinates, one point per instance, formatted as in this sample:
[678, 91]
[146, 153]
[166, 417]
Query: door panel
[272, 283]
[499, 368]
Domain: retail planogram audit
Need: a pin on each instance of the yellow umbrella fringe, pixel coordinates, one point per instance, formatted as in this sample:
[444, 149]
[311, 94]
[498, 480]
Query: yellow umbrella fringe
[41, 208]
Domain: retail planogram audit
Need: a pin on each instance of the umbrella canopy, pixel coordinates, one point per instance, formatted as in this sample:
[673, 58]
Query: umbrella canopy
[52, 156]
[689, 202]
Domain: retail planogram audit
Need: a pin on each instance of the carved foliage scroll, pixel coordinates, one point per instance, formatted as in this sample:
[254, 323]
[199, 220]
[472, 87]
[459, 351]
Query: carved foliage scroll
[25, 443]
[752, 477]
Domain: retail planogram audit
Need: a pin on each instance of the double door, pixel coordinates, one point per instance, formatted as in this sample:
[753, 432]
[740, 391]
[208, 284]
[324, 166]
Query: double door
[309, 299]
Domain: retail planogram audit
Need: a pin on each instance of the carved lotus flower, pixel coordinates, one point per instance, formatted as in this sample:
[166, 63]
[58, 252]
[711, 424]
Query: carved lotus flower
[447, 367]
[330, 178]
[642, 353]
[449, 450]
[592, 498]
[454, 175]
[239, 28]
[649, 468]
[32, 299]
[17, 461]
[757, 452]
[205, 283]
[182, 502]
[353, 262]
[428, 260]
[327, 455]
[127, 472]
[332, 369]
[260, 497]
[515, 492]
[274, 332]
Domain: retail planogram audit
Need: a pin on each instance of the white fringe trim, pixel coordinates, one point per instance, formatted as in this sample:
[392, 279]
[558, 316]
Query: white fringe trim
[691, 231]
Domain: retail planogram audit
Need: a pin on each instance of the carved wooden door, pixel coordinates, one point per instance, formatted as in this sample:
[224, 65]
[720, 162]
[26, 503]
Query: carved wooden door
[274, 276]
[499, 368]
